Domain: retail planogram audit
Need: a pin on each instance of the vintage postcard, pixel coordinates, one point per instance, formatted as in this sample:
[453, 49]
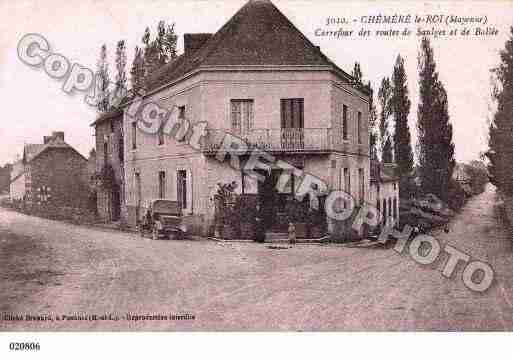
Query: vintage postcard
[261, 165]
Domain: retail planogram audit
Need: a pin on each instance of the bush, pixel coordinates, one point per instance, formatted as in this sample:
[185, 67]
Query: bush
[246, 214]
[247, 208]
[297, 212]
[456, 195]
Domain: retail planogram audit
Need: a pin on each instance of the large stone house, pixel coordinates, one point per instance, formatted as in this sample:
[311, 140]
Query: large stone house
[50, 172]
[262, 80]
[109, 170]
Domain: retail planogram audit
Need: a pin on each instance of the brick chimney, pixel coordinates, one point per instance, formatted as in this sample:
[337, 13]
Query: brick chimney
[58, 135]
[193, 42]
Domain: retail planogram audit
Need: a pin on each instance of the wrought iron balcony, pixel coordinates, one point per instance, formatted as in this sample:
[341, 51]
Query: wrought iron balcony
[304, 140]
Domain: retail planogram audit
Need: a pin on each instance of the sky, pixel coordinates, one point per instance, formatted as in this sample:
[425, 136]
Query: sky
[35, 105]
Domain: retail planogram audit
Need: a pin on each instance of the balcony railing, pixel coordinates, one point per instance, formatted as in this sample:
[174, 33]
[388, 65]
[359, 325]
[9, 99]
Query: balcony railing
[276, 140]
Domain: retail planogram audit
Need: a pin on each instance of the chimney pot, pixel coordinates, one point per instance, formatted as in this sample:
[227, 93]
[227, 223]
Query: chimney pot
[58, 135]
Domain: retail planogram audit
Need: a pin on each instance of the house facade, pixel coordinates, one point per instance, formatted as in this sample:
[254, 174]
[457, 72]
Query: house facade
[17, 186]
[109, 166]
[261, 80]
[384, 191]
[51, 172]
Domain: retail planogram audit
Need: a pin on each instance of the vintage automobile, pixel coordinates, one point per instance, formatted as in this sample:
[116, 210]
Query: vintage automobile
[163, 219]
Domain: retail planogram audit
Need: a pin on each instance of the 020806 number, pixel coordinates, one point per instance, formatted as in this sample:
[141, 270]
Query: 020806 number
[24, 346]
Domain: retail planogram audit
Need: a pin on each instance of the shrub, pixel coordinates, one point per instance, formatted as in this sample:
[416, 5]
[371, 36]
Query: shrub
[247, 207]
[456, 195]
[297, 212]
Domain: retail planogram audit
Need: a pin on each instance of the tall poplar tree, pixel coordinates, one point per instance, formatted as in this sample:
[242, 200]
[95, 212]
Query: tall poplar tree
[500, 143]
[384, 99]
[357, 74]
[121, 79]
[102, 81]
[373, 138]
[151, 53]
[435, 146]
[358, 82]
[400, 109]
[166, 43]
[137, 71]
[159, 51]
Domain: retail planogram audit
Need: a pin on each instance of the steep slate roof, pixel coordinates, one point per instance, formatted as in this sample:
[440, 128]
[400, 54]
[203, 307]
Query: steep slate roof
[258, 34]
[32, 151]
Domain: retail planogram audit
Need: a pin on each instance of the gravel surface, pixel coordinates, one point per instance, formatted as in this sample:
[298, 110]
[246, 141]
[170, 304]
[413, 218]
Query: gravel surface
[53, 269]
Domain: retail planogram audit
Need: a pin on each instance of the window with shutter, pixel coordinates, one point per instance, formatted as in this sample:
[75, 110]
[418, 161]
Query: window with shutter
[241, 115]
[344, 122]
[359, 127]
[134, 135]
[361, 183]
[181, 182]
[162, 184]
[292, 113]
[121, 153]
[347, 184]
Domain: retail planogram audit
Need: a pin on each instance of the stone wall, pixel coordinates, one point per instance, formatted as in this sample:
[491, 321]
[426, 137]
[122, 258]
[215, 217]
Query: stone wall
[109, 137]
[60, 173]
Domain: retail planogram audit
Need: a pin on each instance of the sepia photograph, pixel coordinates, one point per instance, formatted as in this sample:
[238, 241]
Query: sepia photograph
[255, 166]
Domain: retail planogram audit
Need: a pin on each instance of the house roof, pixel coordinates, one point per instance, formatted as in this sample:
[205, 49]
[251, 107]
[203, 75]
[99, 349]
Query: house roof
[258, 34]
[32, 151]
[107, 116]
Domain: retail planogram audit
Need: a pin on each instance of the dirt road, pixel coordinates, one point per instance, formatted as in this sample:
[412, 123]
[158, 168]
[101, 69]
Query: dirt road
[55, 269]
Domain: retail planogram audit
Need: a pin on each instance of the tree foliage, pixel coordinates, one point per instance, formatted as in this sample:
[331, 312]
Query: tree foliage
[387, 155]
[435, 146]
[5, 176]
[500, 153]
[373, 138]
[400, 109]
[357, 74]
[384, 99]
[478, 175]
[121, 78]
[102, 81]
[137, 71]
[166, 42]
[153, 54]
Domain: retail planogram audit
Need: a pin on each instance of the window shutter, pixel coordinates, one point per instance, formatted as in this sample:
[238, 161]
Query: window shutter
[236, 115]
[189, 191]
